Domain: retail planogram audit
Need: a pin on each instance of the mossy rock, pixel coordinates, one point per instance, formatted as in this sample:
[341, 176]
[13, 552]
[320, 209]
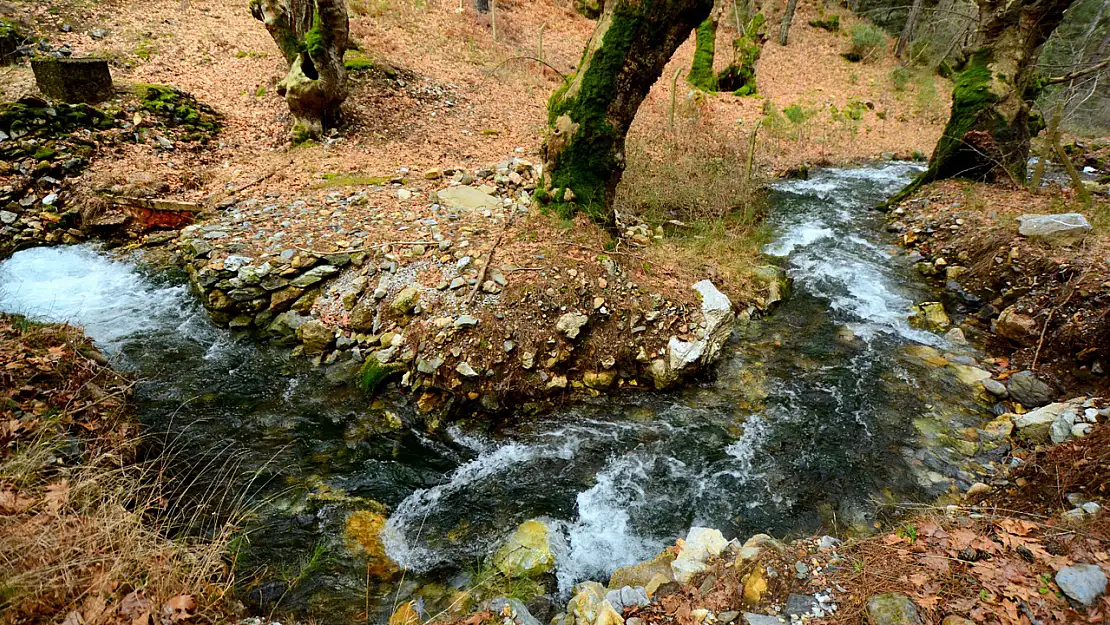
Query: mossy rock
[177, 108]
[373, 374]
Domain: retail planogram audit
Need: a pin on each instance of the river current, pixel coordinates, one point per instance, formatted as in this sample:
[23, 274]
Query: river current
[807, 421]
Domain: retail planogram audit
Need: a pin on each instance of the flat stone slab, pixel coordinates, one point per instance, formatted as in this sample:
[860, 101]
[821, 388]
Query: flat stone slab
[1082, 583]
[1062, 229]
[73, 80]
[467, 199]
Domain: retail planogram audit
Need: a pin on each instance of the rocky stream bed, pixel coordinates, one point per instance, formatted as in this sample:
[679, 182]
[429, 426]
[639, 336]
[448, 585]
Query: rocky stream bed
[850, 397]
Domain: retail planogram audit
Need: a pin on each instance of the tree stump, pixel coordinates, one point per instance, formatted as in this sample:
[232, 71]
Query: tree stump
[73, 80]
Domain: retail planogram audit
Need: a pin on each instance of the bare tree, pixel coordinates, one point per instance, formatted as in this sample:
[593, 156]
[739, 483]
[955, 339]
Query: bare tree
[589, 116]
[906, 38]
[787, 17]
[312, 36]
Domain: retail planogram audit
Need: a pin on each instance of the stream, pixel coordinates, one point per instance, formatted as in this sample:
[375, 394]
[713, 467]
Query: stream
[814, 414]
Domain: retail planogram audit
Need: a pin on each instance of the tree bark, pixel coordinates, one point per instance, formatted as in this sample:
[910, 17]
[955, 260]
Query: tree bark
[701, 70]
[312, 36]
[992, 121]
[906, 38]
[589, 116]
[787, 17]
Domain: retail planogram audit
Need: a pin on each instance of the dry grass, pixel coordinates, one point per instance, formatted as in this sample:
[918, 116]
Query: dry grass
[86, 528]
[693, 181]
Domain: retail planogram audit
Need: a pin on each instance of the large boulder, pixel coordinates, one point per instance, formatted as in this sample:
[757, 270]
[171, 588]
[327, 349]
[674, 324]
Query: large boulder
[1031, 391]
[585, 605]
[688, 356]
[1062, 229]
[315, 336]
[527, 553]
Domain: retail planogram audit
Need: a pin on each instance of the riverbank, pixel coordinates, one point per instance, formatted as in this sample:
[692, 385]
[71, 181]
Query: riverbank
[90, 530]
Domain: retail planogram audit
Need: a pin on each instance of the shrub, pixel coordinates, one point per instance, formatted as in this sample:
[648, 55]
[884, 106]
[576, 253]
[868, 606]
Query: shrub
[901, 77]
[797, 114]
[831, 23]
[867, 41]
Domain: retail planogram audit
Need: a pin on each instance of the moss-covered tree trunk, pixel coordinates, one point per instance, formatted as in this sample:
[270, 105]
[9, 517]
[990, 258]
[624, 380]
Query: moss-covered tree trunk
[992, 121]
[589, 116]
[312, 36]
[701, 70]
[739, 76]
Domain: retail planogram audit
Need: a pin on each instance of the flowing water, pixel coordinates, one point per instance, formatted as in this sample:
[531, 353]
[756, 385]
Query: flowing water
[810, 415]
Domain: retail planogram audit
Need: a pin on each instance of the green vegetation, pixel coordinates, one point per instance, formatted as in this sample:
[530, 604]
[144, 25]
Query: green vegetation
[145, 49]
[178, 108]
[739, 76]
[314, 38]
[248, 54]
[797, 114]
[900, 77]
[867, 41]
[356, 61]
[373, 374]
[831, 23]
[260, 92]
[351, 179]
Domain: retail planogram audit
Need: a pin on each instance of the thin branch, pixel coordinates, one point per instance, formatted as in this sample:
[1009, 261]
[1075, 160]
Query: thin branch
[527, 58]
[1077, 74]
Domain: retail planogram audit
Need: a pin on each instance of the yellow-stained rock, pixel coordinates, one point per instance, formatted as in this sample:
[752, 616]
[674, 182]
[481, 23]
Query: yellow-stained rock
[656, 581]
[405, 614]
[754, 586]
[363, 535]
[607, 615]
[643, 573]
[527, 553]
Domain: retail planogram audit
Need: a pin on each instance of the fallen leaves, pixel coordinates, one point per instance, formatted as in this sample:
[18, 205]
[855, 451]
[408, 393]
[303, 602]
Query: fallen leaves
[179, 608]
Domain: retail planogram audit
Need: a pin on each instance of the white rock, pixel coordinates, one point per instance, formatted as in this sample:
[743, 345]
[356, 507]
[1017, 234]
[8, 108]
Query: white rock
[700, 544]
[1060, 229]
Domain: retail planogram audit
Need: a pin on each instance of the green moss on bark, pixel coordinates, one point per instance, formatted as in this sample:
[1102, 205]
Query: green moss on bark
[594, 151]
[739, 76]
[701, 70]
[314, 38]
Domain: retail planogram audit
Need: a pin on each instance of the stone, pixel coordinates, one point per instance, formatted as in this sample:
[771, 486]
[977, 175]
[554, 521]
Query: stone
[954, 619]
[892, 608]
[801, 605]
[754, 547]
[514, 610]
[1059, 431]
[599, 379]
[608, 615]
[527, 552]
[978, 492]
[754, 587]
[428, 366]
[700, 544]
[956, 336]
[1091, 508]
[1031, 391]
[570, 324]
[627, 597]
[405, 302]
[717, 315]
[1082, 583]
[1016, 326]
[405, 614]
[971, 376]
[466, 321]
[467, 198]
[72, 80]
[314, 275]
[1036, 425]
[315, 336]
[642, 574]
[994, 387]
[8, 217]
[586, 602]
[751, 618]
[930, 316]
[727, 617]
[465, 370]
[1062, 229]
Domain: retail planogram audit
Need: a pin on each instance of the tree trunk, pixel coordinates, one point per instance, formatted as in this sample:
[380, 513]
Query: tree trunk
[1046, 149]
[701, 70]
[589, 116]
[787, 17]
[906, 38]
[739, 76]
[312, 36]
[988, 133]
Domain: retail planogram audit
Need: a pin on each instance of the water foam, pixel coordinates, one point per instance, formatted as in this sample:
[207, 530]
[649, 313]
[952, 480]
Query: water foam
[77, 285]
